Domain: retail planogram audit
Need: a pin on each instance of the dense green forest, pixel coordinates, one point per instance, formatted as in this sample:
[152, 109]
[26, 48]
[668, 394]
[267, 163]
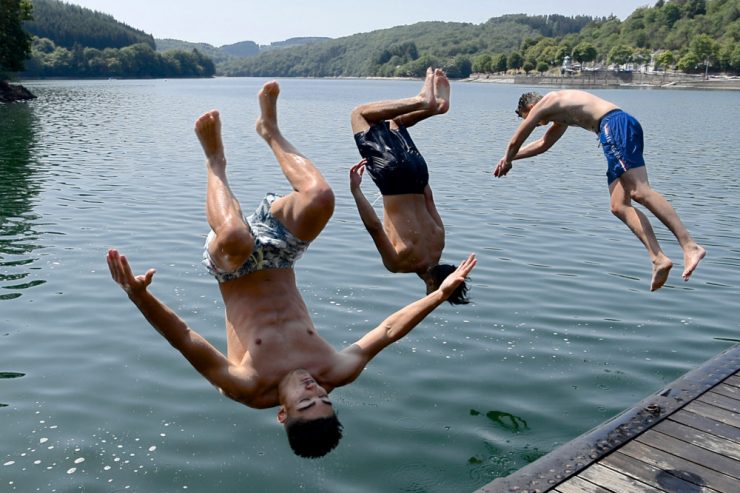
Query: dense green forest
[71, 41]
[406, 50]
[689, 35]
[69, 25]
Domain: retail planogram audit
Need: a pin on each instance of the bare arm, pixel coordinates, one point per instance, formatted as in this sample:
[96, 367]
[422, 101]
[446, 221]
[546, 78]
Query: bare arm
[541, 112]
[541, 145]
[396, 326]
[205, 358]
[370, 219]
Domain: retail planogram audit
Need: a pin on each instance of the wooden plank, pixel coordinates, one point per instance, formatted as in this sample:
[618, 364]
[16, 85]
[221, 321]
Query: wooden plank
[579, 485]
[709, 425]
[727, 391]
[728, 448]
[734, 380]
[701, 410]
[654, 476]
[669, 462]
[720, 401]
[709, 411]
[691, 452]
[616, 481]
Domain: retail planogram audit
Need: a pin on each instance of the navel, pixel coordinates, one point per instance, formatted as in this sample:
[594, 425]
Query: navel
[258, 341]
[310, 332]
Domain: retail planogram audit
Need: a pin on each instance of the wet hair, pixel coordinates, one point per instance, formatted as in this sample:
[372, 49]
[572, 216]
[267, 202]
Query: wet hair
[439, 273]
[527, 99]
[313, 438]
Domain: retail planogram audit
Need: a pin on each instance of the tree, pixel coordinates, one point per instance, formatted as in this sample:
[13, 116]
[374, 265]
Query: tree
[482, 63]
[665, 59]
[515, 61]
[584, 52]
[459, 67]
[542, 67]
[705, 49]
[620, 55]
[669, 14]
[15, 43]
[688, 63]
[499, 63]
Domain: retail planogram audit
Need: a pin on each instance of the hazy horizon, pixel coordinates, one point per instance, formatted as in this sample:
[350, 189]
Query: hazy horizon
[226, 22]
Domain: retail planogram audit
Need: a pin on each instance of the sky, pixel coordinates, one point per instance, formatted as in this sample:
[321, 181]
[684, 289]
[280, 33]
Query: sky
[220, 22]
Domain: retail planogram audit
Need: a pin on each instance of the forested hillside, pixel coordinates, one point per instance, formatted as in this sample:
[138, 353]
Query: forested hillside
[406, 50]
[688, 35]
[236, 50]
[691, 35]
[69, 25]
[71, 41]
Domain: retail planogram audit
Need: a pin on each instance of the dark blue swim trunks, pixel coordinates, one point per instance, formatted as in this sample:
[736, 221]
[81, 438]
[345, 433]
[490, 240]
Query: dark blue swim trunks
[620, 135]
[393, 161]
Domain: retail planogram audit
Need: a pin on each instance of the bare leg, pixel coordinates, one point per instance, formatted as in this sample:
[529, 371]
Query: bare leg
[307, 209]
[442, 102]
[636, 184]
[636, 221]
[233, 242]
[365, 115]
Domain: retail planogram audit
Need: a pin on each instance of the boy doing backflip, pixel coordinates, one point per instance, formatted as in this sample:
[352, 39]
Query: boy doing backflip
[275, 356]
[620, 136]
[411, 236]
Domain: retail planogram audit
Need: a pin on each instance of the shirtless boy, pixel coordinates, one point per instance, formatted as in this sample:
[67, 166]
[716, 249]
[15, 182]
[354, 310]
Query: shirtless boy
[275, 356]
[411, 236]
[620, 136]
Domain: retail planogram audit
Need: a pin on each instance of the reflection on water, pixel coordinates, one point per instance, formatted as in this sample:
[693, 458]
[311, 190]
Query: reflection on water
[9, 374]
[19, 186]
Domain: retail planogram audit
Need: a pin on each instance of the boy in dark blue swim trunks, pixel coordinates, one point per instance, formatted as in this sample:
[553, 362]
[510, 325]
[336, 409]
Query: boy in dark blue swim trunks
[411, 236]
[621, 138]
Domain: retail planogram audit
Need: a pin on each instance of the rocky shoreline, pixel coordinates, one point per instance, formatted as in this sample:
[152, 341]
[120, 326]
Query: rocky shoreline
[14, 92]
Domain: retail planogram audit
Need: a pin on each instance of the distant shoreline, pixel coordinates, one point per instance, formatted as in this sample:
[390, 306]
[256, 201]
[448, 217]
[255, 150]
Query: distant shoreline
[603, 80]
[624, 80]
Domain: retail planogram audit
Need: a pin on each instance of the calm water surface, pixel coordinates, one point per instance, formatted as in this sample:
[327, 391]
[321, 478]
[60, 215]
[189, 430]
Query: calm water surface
[563, 333]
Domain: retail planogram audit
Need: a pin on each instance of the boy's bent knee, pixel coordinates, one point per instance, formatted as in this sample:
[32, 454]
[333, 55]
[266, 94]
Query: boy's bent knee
[358, 120]
[232, 246]
[322, 197]
[639, 195]
[618, 209]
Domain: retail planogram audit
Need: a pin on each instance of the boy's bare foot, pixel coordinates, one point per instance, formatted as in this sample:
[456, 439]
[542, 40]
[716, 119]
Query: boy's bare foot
[208, 130]
[427, 90]
[441, 91]
[661, 268]
[267, 125]
[691, 259]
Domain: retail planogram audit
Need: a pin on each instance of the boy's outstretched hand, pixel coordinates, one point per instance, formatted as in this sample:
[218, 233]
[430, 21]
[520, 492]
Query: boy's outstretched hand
[121, 272]
[452, 281]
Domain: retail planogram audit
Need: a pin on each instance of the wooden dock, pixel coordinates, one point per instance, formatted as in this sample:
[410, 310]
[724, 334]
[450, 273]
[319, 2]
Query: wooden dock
[683, 439]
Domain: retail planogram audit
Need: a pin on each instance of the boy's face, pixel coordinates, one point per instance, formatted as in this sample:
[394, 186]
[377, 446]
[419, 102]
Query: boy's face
[302, 397]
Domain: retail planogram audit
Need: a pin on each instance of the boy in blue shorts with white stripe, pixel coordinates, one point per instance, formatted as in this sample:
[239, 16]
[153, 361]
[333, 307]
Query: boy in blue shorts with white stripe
[620, 136]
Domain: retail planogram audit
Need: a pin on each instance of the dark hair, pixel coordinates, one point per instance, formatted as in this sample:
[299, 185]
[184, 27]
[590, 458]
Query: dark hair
[313, 438]
[527, 99]
[439, 273]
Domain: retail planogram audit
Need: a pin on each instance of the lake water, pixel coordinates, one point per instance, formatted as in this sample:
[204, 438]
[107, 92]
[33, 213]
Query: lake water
[563, 333]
